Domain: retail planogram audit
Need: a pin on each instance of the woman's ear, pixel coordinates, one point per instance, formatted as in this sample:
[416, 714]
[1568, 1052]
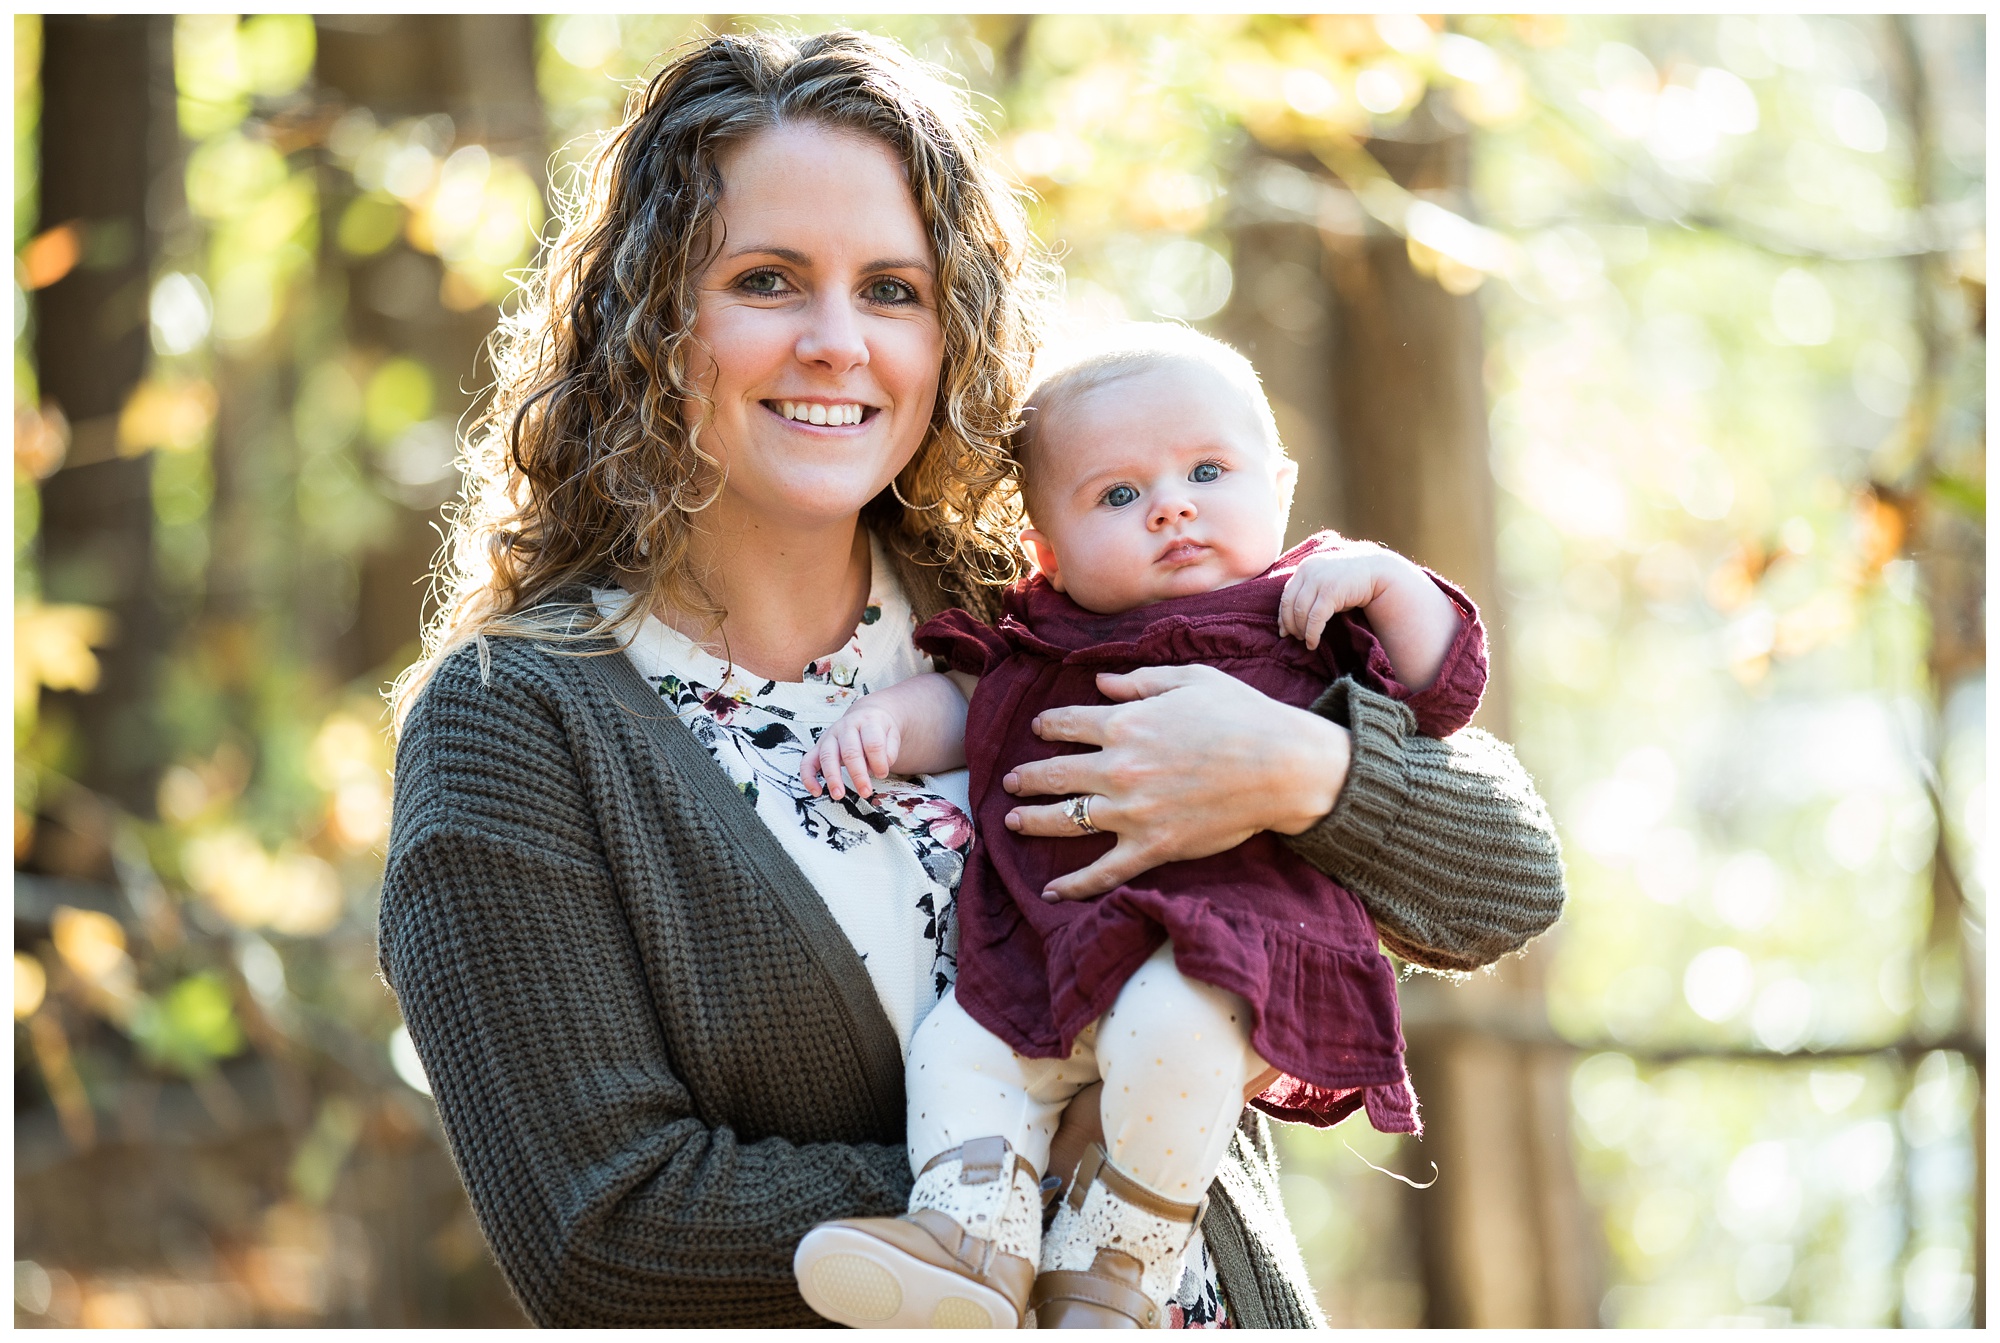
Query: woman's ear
[1044, 555]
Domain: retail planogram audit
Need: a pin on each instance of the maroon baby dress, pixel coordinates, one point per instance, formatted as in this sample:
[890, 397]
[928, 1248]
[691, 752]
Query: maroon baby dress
[1257, 920]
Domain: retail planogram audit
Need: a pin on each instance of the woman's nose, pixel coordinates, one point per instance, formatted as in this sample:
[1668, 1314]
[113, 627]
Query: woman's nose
[833, 338]
[1169, 507]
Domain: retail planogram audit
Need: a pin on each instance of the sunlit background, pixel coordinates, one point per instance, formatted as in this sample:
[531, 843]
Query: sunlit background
[1707, 294]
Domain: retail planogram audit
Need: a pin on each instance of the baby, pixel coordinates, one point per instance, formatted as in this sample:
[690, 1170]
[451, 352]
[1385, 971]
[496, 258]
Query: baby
[1158, 491]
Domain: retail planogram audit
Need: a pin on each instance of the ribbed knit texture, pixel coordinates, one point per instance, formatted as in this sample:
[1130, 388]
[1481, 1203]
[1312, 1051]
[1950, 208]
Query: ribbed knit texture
[1263, 1274]
[1446, 842]
[652, 1081]
[657, 1059]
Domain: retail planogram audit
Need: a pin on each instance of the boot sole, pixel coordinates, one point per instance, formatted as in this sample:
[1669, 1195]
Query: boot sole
[854, 1279]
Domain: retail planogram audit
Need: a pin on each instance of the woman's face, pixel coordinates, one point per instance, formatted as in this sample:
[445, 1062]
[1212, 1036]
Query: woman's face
[818, 318]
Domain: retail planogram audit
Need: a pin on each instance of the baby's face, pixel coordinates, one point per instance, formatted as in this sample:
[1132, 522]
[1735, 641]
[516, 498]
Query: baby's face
[1160, 483]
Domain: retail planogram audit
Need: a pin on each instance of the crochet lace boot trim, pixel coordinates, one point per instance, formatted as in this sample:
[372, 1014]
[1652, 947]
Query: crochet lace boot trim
[1002, 1205]
[1112, 1258]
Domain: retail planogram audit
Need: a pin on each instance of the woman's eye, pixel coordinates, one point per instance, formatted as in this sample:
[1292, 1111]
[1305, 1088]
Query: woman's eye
[1120, 495]
[761, 282]
[1206, 472]
[890, 291]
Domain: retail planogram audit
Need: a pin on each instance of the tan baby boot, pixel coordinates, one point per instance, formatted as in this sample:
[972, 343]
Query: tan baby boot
[1112, 1259]
[962, 1257]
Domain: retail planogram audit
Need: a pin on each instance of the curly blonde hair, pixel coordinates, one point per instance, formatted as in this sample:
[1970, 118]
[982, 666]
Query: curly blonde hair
[583, 465]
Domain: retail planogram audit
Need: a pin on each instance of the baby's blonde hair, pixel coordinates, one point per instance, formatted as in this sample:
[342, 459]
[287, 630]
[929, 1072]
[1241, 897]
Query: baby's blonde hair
[1064, 373]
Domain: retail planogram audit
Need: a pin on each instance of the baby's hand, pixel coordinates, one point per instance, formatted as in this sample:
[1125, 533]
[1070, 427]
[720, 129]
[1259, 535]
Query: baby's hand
[866, 739]
[1325, 585]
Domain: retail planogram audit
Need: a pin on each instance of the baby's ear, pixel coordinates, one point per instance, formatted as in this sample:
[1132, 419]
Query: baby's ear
[1044, 555]
[1288, 479]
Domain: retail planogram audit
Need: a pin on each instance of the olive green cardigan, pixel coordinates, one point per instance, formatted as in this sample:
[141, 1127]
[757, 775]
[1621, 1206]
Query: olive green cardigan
[659, 1061]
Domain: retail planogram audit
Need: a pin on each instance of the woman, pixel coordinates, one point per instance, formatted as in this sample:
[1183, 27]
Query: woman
[754, 425]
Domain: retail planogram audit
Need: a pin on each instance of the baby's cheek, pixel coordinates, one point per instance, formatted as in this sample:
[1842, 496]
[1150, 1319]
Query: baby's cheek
[1102, 573]
[1254, 557]
[1109, 594]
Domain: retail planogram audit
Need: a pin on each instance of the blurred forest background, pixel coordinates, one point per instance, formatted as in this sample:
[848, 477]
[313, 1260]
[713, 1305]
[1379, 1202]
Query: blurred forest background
[1665, 336]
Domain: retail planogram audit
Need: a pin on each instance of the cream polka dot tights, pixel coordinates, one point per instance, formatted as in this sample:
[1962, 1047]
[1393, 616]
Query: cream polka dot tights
[1174, 1056]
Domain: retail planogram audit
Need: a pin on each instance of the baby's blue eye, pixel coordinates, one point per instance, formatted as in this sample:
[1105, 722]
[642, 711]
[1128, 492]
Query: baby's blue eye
[1120, 495]
[1205, 473]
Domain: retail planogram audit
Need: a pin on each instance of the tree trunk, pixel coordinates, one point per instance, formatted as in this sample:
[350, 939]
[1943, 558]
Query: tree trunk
[1947, 539]
[107, 90]
[1376, 374]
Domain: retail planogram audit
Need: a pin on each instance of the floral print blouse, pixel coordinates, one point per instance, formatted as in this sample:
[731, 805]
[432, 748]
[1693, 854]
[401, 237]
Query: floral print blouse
[888, 867]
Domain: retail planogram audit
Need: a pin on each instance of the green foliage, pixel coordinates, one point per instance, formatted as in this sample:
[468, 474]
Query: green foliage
[27, 124]
[229, 174]
[275, 53]
[399, 394]
[316, 1167]
[212, 97]
[189, 1027]
[369, 223]
[221, 64]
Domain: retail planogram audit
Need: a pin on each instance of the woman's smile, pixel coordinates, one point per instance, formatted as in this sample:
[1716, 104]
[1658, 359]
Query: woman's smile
[832, 415]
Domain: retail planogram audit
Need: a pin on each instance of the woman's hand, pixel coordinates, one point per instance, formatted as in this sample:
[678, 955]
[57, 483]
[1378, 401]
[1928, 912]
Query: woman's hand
[1193, 763]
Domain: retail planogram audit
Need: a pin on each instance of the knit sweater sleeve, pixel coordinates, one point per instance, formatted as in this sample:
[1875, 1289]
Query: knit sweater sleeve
[1445, 842]
[606, 1198]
